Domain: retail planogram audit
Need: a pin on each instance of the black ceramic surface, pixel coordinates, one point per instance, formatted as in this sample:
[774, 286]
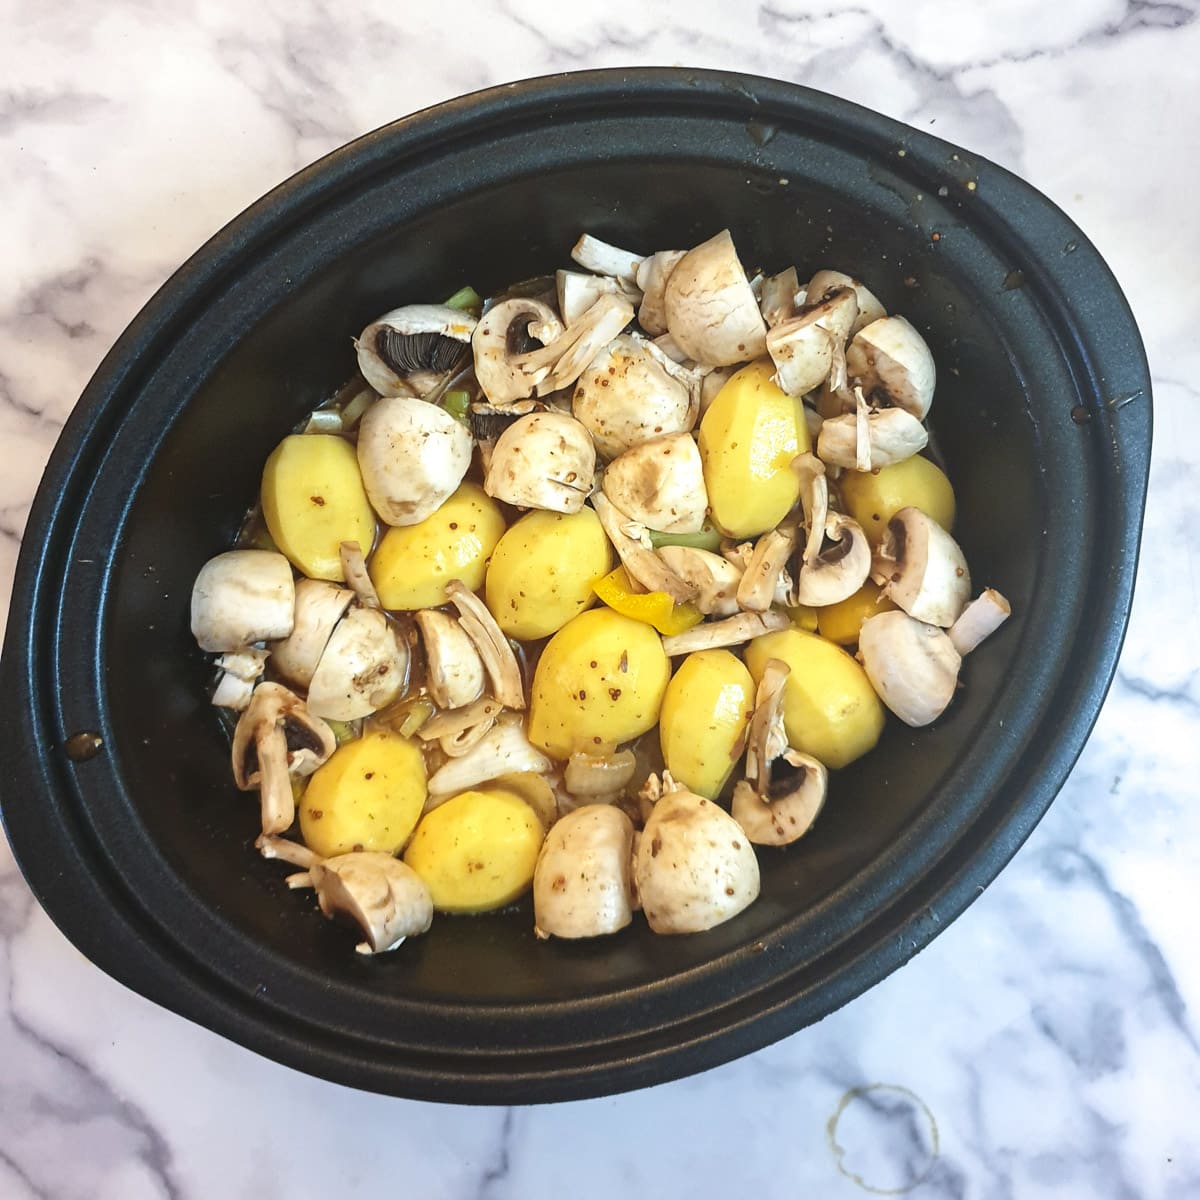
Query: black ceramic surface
[142, 854]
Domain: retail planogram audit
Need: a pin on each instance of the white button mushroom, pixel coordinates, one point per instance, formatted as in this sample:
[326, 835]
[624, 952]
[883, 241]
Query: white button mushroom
[732, 631]
[637, 555]
[839, 570]
[503, 750]
[652, 278]
[455, 673]
[659, 483]
[320, 605]
[890, 361]
[578, 292]
[495, 650]
[606, 259]
[361, 670]
[582, 883]
[413, 348]
[694, 867]
[892, 436]
[912, 666]
[766, 568]
[560, 362]
[241, 597]
[869, 307]
[543, 460]
[809, 348]
[980, 619]
[412, 455]
[712, 313]
[240, 671]
[505, 333]
[922, 569]
[715, 578]
[778, 298]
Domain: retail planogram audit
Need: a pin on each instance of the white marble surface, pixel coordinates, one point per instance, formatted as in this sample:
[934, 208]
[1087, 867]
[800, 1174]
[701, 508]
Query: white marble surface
[1051, 1032]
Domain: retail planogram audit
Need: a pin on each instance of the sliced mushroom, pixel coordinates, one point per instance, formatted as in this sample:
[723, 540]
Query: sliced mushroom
[577, 292]
[814, 500]
[361, 670]
[543, 460]
[606, 259]
[841, 567]
[980, 619]
[499, 661]
[583, 878]
[891, 362]
[354, 568]
[912, 666]
[809, 348]
[778, 299]
[626, 396]
[319, 607]
[240, 671]
[459, 730]
[715, 578]
[410, 348]
[922, 568]
[652, 277]
[869, 307]
[504, 333]
[711, 310]
[503, 750]
[893, 435]
[455, 670]
[277, 737]
[639, 559]
[659, 483]
[241, 597]
[559, 363]
[694, 867]
[766, 568]
[733, 631]
[412, 455]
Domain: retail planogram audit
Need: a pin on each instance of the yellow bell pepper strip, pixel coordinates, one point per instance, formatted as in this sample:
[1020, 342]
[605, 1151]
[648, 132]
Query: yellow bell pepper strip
[653, 608]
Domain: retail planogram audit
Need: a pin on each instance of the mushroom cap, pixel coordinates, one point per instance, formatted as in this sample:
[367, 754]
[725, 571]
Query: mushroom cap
[626, 396]
[716, 579]
[891, 362]
[711, 310]
[582, 883]
[320, 605]
[694, 868]
[455, 675]
[505, 332]
[385, 897]
[835, 574]
[361, 670]
[894, 435]
[869, 307]
[415, 339]
[794, 799]
[577, 292]
[652, 276]
[660, 484]
[543, 460]
[412, 455]
[926, 571]
[804, 347]
[241, 597]
[912, 666]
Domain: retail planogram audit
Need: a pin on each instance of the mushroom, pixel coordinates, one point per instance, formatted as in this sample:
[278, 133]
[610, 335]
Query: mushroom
[412, 455]
[543, 460]
[319, 607]
[767, 566]
[839, 570]
[892, 435]
[891, 362]
[809, 348]
[361, 670]
[922, 568]
[659, 483]
[460, 729]
[652, 277]
[241, 597]
[694, 868]
[980, 619]
[733, 631]
[778, 299]
[583, 879]
[560, 362]
[578, 292]
[354, 569]
[783, 791]
[711, 385]
[455, 670]
[606, 259]
[383, 896]
[240, 670]
[715, 578]
[505, 332]
[912, 666]
[412, 348]
[711, 310]
[503, 750]
[814, 500]
[277, 737]
[494, 649]
[627, 395]
[869, 307]
[638, 558]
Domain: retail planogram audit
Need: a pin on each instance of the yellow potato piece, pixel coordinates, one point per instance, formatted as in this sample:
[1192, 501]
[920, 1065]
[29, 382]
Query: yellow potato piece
[313, 500]
[600, 681]
[873, 498]
[748, 438]
[542, 571]
[413, 563]
[704, 717]
[829, 707]
[841, 622]
[368, 796]
[476, 851]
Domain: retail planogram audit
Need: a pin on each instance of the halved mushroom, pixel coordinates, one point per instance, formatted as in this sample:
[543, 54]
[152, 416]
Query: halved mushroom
[503, 670]
[869, 307]
[626, 396]
[652, 277]
[504, 333]
[412, 455]
[712, 313]
[543, 460]
[784, 790]
[241, 597]
[922, 569]
[276, 738]
[715, 578]
[606, 259]
[577, 292]
[839, 569]
[319, 607]
[767, 567]
[733, 631]
[455, 671]
[659, 483]
[809, 348]
[694, 867]
[892, 436]
[583, 879]
[503, 750]
[411, 349]
[778, 299]
[980, 619]
[639, 558]
[560, 362]
[240, 671]
[912, 666]
[361, 670]
[891, 362]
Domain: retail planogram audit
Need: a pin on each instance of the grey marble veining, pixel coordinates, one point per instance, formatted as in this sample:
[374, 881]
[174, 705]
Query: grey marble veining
[1046, 1044]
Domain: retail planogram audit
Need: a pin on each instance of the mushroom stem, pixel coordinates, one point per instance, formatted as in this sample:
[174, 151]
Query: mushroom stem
[498, 658]
[756, 591]
[733, 631]
[606, 259]
[980, 619]
[814, 500]
[354, 568]
[284, 849]
[640, 562]
[275, 790]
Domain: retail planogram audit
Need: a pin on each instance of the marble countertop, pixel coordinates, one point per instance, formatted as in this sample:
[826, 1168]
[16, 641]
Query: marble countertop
[1045, 1044]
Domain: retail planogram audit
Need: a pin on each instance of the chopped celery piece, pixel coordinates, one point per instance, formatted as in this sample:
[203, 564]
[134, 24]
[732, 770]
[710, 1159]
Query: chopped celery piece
[456, 403]
[466, 299]
[707, 539]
